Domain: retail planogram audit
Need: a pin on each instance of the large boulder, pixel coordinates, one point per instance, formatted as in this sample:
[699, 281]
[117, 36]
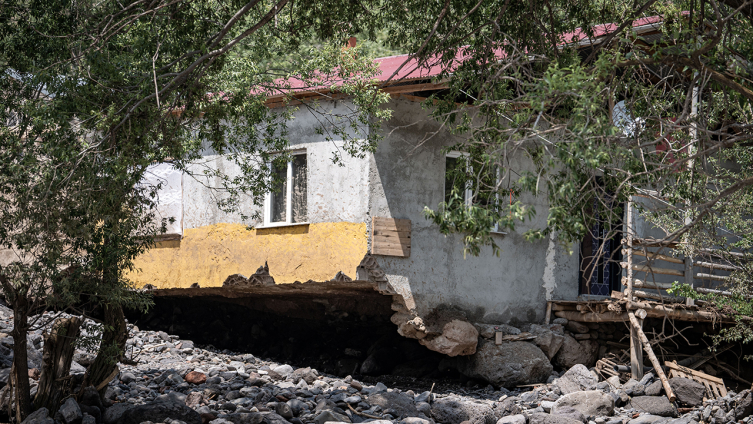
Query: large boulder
[576, 379]
[40, 416]
[654, 405]
[575, 352]
[569, 412]
[69, 412]
[400, 402]
[590, 403]
[688, 391]
[508, 364]
[547, 340]
[542, 418]
[458, 338]
[452, 410]
[159, 411]
[744, 406]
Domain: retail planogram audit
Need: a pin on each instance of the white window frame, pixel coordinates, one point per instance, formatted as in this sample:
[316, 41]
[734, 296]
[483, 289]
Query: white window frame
[468, 198]
[288, 196]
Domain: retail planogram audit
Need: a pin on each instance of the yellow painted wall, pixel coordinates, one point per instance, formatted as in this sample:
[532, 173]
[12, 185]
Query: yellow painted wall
[208, 255]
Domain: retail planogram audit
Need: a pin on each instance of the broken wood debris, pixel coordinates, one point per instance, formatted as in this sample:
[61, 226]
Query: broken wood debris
[715, 387]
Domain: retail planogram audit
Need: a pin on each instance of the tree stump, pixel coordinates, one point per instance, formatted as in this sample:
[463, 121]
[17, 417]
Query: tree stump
[57, 356]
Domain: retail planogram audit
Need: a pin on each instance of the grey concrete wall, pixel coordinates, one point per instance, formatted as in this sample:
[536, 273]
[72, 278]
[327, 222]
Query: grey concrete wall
[407, 174]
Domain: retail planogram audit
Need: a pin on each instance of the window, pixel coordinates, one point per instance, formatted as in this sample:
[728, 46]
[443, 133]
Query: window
[459, 177]
[288, 204]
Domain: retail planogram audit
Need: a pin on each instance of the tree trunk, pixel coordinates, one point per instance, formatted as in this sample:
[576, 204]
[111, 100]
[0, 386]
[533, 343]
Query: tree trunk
[20, 367]
[111, 349]
[59, 346]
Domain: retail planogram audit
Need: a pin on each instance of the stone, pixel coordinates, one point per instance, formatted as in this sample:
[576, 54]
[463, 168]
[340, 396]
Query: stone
[458, 338]
[589, 403]
[306, 374]
[648, 419]
[113, 413]
[548, 341]
[88, 419]
[453, 410]
[297, 406]
[284, 410]
[683, 420]
[744, 406]
[400, 402]
[90, 397]
[488, 331]
[92, 411]
[273, 418]
[574, 352]
[127, 377]
[326, 416]
[508, 364]
[687, 391]
[614, 382]
[576, 379]
[415, 420]
[654, 389]
[69, 412]
[570, 412]
[158, 412]
[40, 416]
[542, 418]
[283, 370]
[194, 399]
[513, 419]
[577, 327]
[244, 418]
[654, 405]
[195, 377]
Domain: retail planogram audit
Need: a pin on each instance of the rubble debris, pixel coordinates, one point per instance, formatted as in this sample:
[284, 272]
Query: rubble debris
[181, 381]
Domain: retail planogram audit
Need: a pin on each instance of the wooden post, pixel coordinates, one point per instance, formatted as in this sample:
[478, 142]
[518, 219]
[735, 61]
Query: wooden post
[629, 259]
[636, 351]
[548, 313]
[635, 325]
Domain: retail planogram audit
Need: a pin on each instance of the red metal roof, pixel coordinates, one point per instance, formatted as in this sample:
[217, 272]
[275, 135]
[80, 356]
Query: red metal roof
[404, 68]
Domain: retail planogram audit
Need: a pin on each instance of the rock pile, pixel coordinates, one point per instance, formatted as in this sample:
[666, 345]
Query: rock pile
[177, 382]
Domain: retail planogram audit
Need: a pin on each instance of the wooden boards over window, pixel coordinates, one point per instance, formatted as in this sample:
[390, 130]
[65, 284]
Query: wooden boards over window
[390, 237]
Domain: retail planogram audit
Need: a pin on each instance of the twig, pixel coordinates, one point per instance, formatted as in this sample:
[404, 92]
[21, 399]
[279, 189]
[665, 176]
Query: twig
[363, 414]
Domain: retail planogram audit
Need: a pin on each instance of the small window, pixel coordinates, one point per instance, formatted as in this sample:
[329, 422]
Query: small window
[460, 178]
[288, 205]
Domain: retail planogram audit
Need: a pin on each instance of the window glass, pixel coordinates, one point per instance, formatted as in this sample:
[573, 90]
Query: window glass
[453, 178]
[299, 196]
[279, 197]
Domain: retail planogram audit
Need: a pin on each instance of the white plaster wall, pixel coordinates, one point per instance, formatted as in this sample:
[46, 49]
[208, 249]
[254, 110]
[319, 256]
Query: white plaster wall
[336, 192]
[170, 195]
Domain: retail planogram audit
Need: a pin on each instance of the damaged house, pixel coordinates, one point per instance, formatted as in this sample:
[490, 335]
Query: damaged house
[350, 243]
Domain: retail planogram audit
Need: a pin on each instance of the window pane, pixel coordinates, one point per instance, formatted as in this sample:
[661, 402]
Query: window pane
[452, 178]
[487, 188]
[299, 188]
[279, 196]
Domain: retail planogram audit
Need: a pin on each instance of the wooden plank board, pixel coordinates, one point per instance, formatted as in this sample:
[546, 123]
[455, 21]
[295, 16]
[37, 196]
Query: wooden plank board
[654, 270]
[390, 237]
[390, 224]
